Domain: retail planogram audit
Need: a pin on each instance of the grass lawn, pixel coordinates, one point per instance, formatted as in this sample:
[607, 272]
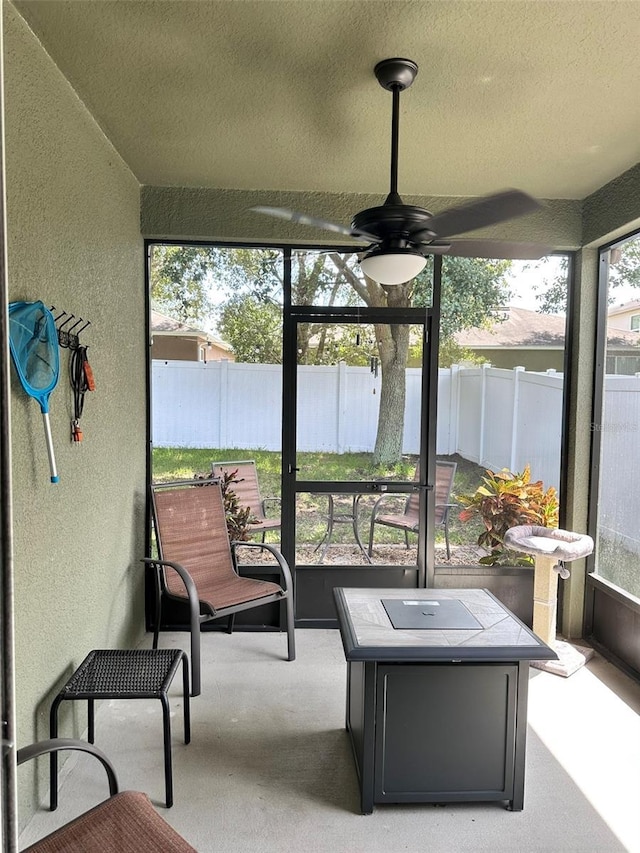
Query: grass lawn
[174, 463]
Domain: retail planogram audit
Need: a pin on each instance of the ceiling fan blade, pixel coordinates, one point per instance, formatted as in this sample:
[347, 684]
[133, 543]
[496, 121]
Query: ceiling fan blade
[314, 222]
[477, 214]
[352, 250]
[488, 249]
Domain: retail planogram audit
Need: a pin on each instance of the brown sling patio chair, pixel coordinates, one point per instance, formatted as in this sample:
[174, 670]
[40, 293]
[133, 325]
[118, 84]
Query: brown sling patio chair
[125, 823]
[409, 519]
[247, 491]
[196, 564]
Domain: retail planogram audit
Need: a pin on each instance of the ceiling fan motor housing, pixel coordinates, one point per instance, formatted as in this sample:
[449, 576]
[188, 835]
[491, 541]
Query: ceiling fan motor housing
[392, 221]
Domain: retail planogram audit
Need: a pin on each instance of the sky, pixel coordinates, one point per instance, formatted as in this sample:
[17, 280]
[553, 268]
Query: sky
[526, 280]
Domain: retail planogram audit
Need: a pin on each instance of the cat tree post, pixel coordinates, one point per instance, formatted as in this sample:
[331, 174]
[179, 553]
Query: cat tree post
[551, 548]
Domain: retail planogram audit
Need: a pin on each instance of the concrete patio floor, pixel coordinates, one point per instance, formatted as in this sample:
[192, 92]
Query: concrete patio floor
[269, 767]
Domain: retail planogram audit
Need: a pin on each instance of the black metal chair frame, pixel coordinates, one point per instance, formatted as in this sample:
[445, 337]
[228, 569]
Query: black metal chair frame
[196, 617]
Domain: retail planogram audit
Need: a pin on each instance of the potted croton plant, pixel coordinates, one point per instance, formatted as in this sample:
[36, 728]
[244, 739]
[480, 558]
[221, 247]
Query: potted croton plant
[504, 500]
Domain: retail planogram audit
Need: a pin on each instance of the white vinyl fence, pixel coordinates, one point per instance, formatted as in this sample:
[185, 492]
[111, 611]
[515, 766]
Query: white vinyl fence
[619, 496]
[497, 418]
[502, 418]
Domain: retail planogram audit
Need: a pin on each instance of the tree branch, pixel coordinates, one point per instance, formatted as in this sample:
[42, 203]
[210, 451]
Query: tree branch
[368, 290]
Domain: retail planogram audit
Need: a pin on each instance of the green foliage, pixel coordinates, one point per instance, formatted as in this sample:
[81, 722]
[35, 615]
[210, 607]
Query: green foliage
[452, 353]
[255, 271]
[505, 500]
[624, 269]
[624, 265]
[184, 278]
[180, 281]
[315, 280]
[323, 344]
[553, 298]
[253, 329]
[471, 289]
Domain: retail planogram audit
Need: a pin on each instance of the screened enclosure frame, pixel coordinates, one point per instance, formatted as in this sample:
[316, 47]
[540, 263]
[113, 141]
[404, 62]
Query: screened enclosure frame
[611, 614]
[427, 572]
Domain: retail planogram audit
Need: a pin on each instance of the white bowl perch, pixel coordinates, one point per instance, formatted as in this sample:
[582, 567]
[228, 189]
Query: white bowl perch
[551, 548]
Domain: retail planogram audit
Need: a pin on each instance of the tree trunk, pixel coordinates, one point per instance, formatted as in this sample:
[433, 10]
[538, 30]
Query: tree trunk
[393, 345]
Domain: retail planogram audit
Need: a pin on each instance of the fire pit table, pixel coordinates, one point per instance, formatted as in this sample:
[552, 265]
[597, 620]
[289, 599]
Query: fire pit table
[437, 685]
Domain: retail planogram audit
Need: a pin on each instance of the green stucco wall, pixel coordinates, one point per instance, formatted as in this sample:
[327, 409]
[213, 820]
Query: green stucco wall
[222, 214]
[74, 242]
[613, 210]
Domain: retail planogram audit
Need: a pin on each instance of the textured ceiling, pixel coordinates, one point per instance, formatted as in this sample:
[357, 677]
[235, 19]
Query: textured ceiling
[538, 95]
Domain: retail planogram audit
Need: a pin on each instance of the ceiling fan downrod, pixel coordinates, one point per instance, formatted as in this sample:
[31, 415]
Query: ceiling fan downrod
[395, 75]
[400, 236]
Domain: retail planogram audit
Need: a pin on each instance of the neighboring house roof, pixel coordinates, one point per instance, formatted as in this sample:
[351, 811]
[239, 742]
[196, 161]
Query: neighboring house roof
[163, 325]
[624, 308]
[531, 329]
[522, 328]
[622, 337]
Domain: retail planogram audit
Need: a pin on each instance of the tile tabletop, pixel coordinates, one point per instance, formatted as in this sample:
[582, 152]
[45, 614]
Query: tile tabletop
[368, 634]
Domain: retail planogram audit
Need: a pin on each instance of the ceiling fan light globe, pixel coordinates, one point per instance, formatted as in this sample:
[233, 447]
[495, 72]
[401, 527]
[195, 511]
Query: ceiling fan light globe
[396, 267]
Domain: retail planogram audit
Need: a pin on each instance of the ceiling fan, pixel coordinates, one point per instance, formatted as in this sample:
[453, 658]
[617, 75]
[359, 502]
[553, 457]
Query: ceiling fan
[399, 235]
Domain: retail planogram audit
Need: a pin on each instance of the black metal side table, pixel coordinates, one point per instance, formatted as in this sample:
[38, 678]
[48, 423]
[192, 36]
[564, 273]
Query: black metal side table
[124, 674]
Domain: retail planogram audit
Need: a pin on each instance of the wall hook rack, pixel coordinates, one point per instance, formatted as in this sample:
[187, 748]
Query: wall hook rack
[69, 336]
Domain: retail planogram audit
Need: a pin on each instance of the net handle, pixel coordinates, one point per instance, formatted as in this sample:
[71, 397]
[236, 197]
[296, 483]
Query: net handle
[49, 440]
